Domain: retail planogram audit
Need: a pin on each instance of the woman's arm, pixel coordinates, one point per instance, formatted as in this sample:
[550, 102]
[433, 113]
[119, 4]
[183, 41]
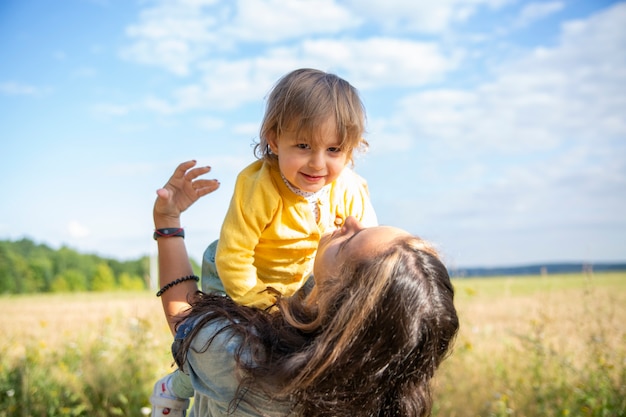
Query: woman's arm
[181, 191]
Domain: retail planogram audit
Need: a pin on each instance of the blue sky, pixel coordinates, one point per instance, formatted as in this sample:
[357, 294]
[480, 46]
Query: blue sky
[497, 127]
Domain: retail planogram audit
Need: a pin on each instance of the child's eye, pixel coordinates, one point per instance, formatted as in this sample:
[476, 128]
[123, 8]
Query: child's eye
[302, 146]
[334, 149]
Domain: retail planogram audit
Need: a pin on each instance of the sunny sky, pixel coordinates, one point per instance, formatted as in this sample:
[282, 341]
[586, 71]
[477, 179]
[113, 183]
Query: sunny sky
[497, 127]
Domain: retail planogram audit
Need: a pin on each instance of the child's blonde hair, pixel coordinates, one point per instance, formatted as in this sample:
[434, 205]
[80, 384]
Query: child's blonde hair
[303, 100]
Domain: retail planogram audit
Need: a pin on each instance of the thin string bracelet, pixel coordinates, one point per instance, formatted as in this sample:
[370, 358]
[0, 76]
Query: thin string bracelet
[176, 282]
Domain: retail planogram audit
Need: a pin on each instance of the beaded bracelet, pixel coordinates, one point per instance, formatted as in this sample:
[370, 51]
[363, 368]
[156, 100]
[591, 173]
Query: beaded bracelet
[176, 282]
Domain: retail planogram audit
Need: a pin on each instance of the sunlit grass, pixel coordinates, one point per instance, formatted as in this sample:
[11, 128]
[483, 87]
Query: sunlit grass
[81, 354]
[538, 346]
[528, 346]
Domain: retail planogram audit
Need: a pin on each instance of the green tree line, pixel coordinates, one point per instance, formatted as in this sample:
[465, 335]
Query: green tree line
[27, 267]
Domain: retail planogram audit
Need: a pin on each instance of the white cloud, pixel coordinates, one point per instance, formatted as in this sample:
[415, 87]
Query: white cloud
[174, 55]
[204, 41]
[385, 138]
[77, 230]
[175, 35]
[368, 63]
[420, 16]
[13, 88]
[537, 151]
[172, 35]
[552, 97]
[532, 12]
[225, 84]
[158, 105]
[270, 21]
[250, 129]
[381, 62]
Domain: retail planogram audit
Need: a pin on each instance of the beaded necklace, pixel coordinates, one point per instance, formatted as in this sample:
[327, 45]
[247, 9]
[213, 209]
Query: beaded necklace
[312, 197]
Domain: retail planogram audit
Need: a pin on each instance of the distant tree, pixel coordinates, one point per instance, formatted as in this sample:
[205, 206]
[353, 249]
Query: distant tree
[71, 280]
[104, 279]
[131, 282]
[66, 258]
[26, 281]
[27, 267]
[134, 267]
[42, 270]
[7, 270]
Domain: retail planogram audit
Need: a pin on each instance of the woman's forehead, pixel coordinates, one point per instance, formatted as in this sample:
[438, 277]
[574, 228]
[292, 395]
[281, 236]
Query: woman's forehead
[375, 239]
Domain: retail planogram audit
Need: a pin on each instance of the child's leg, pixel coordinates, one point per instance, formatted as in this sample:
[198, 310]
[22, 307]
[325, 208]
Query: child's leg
[211, 282]
[170, 396]
[180, 385]
[171, 393]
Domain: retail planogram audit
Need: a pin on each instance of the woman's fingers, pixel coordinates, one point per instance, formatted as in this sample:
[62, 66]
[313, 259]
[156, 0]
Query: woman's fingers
[204, 187]
[182, 168]
[163, 193]
[201, 186]
[194, 173]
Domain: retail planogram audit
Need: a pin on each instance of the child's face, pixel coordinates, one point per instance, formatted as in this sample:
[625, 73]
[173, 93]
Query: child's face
[310, 165]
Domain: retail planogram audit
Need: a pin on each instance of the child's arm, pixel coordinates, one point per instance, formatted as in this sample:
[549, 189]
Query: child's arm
[181, 191]
[251, 209]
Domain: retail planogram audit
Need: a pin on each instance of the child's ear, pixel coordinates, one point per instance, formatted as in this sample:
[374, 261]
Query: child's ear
[272, 141]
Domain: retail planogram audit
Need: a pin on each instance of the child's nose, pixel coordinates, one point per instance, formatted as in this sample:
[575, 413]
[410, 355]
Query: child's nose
[316, 161]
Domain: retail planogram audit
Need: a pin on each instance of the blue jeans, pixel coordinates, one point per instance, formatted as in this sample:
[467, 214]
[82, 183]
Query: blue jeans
[211, 282]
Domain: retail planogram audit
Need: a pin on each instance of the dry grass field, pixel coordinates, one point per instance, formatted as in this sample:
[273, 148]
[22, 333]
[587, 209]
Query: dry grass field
[538, 346]
[88, 354]
[54, 320]
[528, 346]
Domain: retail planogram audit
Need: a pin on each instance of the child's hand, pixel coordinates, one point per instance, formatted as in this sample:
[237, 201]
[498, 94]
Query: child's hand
[182, 190]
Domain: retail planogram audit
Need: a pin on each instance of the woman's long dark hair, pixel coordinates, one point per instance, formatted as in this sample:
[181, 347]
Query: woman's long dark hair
[368, 346]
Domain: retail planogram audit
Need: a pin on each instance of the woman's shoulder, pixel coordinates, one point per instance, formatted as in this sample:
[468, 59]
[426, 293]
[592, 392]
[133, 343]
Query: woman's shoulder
[212, 358]
[216, 336]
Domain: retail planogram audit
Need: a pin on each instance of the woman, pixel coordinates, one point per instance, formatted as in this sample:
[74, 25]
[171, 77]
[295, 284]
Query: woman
[365, 341]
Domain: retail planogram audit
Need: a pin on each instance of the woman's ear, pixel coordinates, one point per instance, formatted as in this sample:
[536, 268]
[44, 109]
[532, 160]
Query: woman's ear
[272, 141]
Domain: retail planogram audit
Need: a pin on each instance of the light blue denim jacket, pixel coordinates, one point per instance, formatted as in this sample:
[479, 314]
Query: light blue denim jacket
[213, 373]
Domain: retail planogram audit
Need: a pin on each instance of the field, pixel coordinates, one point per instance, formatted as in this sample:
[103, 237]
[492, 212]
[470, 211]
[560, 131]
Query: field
[528, 346]
[538, 346]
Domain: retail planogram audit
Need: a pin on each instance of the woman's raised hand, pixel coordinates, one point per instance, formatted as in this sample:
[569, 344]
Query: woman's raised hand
[182, 190]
